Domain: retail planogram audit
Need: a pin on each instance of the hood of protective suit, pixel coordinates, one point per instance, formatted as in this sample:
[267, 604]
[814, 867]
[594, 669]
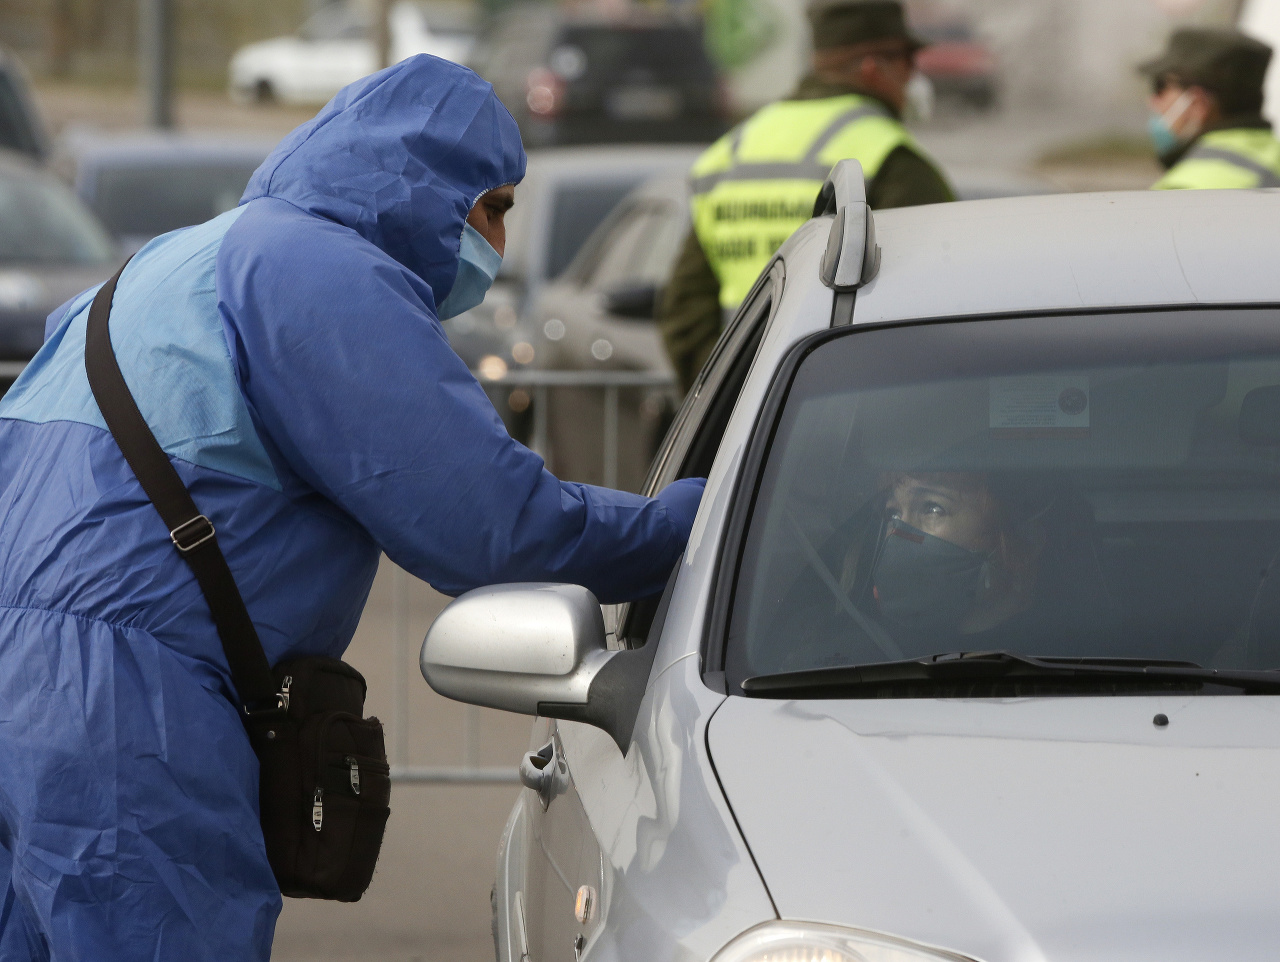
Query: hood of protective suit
[400, 157]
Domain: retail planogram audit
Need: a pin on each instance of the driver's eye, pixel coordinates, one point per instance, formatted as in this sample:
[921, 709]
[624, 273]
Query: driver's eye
[934, 509]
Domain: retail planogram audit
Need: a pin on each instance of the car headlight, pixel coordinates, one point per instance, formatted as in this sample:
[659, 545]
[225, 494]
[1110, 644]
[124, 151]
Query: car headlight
[813, 942]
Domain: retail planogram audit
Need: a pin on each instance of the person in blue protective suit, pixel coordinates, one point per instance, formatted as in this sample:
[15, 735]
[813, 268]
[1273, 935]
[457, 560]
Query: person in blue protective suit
[290, 359]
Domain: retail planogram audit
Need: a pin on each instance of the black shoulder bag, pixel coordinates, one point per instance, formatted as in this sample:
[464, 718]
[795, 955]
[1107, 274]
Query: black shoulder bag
[324, 787]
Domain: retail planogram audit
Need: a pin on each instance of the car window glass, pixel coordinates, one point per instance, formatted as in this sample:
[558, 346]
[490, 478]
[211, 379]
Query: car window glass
[653, 252]
[150, 200]
[578, 210]
[16, 132]
[334, 22]
[671, 226]
[622, 248]
[41, 222]
[695, 435]
[515, 46]
[699, 424]
[1094, 487]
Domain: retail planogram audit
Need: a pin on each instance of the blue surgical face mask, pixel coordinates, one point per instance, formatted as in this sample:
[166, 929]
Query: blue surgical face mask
[477, 267]
[1160, 126]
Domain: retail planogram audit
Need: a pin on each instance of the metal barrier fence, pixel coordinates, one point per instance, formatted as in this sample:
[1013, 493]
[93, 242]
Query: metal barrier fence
[540, 384]
[468, 771]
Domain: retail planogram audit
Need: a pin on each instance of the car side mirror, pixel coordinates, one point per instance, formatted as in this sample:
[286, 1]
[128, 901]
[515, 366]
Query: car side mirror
[634, 301]
[536, 649]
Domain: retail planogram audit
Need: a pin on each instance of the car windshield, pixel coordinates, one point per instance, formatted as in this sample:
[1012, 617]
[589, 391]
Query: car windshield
[577, 209]
[150, 199]
[337, 21]
[41, 222]
[1098, 487]
[16, 130]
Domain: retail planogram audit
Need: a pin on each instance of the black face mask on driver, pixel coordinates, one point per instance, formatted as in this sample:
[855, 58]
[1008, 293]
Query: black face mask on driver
[925, 584]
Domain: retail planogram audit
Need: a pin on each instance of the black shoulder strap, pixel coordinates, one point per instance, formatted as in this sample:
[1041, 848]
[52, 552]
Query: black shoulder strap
[191, 532]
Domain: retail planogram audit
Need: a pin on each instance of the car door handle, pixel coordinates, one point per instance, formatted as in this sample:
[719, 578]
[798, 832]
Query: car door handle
[538, 771]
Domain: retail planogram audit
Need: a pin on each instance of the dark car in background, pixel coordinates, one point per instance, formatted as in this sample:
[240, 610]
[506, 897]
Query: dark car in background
[584, 79]
[141, 185]
[51, 248]
[961, 67]
[21, 129]
[565, 195]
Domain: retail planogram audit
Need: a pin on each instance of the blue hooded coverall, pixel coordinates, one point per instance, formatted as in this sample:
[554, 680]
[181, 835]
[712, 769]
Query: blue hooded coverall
[288, 358]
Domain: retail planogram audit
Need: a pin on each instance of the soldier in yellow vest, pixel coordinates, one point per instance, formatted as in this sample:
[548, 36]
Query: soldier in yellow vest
[1206, 112]
[758, 183]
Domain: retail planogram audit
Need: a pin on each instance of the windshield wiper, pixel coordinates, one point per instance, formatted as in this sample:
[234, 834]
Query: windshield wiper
[971, 673]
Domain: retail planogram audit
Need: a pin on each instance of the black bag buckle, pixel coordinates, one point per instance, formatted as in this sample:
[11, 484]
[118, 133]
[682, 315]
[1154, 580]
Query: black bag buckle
[277, 704]
[191, 534]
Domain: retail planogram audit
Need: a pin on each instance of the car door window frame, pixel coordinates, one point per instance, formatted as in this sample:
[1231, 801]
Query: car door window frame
[703, 417]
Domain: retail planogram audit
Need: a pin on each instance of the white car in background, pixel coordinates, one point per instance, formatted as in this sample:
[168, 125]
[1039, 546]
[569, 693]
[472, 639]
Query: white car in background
[336, 47]
[974, 652]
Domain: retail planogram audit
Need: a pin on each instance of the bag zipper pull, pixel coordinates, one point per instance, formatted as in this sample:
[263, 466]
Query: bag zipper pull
[317, 809]
[284, 692]
[354, 773]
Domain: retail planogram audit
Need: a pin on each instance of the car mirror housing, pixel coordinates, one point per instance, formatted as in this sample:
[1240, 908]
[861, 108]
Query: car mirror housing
[536, 649]
[633, 301]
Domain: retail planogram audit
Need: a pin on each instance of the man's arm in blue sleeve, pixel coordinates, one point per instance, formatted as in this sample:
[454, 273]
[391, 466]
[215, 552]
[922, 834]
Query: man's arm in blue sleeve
[351, 375]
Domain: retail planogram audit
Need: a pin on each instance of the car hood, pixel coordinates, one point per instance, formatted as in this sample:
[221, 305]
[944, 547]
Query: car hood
[1043, 829]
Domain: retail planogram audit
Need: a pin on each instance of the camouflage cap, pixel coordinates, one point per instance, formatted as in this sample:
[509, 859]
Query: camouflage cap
[1226, 63]
[844, 23]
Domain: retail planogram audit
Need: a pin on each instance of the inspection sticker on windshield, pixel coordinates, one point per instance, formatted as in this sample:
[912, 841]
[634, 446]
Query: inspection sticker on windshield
[1040, 406]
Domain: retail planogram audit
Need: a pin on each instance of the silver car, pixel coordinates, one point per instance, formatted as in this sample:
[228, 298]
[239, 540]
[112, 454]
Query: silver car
[973, 651]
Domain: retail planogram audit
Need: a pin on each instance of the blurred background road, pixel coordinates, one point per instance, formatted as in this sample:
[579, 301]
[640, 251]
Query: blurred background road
[127, 118]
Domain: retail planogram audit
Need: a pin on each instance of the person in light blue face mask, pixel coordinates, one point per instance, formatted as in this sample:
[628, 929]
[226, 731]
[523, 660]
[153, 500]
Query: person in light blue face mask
[483, 242]
[1206, 121]
[289, 357]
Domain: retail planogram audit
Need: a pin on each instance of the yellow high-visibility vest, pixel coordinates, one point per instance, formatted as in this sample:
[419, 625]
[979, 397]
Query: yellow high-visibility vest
[1227, 159]
[754, 186]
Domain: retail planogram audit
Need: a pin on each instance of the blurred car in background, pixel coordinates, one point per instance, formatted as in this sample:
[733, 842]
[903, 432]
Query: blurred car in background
[961, 68]
[599, 316]
[565, 195]
[142, 185]
[336, 47]
[51, 248]
[583, 79]
[21, 128]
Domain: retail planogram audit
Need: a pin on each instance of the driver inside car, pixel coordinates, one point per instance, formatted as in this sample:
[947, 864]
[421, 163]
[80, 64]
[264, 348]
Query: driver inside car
[944, 561]
[954, 558]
